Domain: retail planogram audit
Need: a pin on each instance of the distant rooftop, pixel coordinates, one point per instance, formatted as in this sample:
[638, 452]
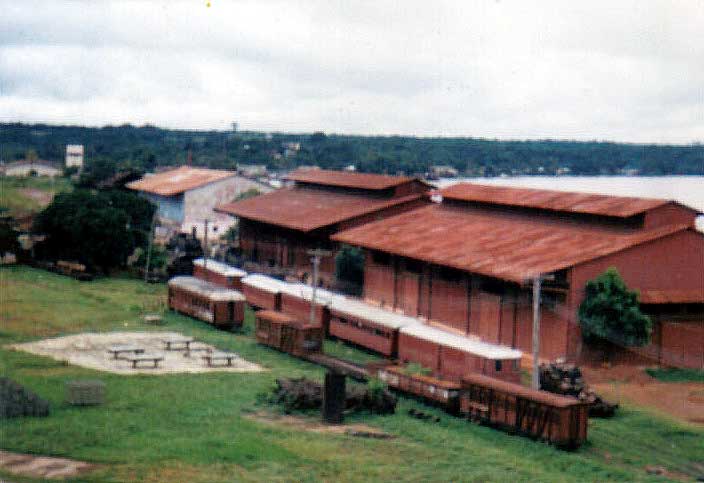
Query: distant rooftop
[179, 180]
[593, 204]
[347, 179]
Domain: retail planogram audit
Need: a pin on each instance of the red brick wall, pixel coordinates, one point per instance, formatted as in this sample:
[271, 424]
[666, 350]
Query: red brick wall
[449, 302]
[379, 282]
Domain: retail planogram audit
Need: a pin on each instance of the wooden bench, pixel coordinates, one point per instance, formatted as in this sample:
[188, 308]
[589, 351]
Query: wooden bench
[137, 358]
[118, 349]
[198, 348]
[220, 356]
[182, 343]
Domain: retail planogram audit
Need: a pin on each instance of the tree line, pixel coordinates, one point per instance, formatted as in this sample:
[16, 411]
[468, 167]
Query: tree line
[115, 148]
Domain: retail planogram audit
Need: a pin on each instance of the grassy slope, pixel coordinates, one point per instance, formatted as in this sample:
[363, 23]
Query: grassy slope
[677, 375]
[190, 427]
[17, 202]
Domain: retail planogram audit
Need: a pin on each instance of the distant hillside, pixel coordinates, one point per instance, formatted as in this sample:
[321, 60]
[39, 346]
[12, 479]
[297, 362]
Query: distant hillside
[147, 147]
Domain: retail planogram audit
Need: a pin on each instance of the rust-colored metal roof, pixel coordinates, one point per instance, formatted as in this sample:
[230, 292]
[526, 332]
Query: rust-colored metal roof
[593, 204]
[176, 181]
[348, 179]
[522, 391]
[309, 209]
[503, 245]
[671, 296]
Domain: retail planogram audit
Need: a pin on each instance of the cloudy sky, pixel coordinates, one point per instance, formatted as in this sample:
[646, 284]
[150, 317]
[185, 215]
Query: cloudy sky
[617, 70]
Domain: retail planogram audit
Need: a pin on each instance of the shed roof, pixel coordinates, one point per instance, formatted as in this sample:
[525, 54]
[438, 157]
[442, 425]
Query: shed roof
[593, 204]
[178, 180]
[206, 289]
[462, 343]
[348, 179]
[309, 209]
[508, 246]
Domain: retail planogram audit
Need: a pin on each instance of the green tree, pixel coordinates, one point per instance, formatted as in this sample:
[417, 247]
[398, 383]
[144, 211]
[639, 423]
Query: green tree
[349, 269]
[99, 229]
[610, 312]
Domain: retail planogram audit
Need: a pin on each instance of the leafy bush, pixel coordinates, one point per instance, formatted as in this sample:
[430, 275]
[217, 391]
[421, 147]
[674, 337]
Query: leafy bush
[349, 266]
[611, 312]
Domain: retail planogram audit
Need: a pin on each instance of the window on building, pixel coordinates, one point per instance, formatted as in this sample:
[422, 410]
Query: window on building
[498, 365]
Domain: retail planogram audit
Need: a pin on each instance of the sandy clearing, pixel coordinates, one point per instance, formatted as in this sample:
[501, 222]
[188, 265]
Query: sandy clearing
[90, 350]
[43, 466]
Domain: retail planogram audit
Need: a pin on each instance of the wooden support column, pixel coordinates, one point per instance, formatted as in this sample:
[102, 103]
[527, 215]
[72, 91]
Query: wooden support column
[334, 398]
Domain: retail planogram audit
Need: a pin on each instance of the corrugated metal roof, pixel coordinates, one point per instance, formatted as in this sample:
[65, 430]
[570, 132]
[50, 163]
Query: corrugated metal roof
[347, 179]
[465, 344]
[594, 204]
[207, 289]
[220, 268]
[672, 296]
[508, 246]
[362, 310]
[178, 180]
[309, 209]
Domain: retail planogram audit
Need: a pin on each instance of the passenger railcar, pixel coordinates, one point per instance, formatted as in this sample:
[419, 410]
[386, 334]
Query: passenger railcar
[296, 300]
[542, 415]
[287, 334]
[219, 306]
[368, 326]
[453, 357]
[218, 273]
[263, 292]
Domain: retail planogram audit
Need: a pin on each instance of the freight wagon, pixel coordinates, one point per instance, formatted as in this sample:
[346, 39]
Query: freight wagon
[557, 419]
[445, 394]
[263, 292]
[368, 326]
[218, 273]
[219, 306]
[453, 357]
[287, 334]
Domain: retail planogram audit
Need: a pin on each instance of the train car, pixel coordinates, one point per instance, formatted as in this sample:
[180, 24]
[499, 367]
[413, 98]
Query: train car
[218, 273]
[296, 300]
[368, 326]
[219, 306]
[445, 394]
[452, 356]
[263, 292]
[559, 420]
[288, 334]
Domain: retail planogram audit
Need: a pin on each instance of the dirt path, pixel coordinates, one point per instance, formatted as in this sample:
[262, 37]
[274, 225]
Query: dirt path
[681, 400]
[307, 424]
[43, 466]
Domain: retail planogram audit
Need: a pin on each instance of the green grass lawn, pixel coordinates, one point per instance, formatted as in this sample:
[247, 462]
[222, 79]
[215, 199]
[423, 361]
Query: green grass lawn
[675, 374]
[193, 427]
[16, 193]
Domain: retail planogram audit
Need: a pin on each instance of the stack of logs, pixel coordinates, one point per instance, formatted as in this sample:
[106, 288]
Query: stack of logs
[562, 378]
[304, 394]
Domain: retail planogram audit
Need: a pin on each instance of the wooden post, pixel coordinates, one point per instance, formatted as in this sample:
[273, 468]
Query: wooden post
[149, 248]
[316, 254]
[334, 398]
[535, 383]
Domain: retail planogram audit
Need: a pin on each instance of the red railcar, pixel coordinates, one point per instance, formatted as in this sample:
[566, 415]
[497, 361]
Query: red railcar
[218, 273]
[366, 325]
[263, 292]
[453, 357]
[219, 306]
[437, 391]
[557, 419]
[287, 334]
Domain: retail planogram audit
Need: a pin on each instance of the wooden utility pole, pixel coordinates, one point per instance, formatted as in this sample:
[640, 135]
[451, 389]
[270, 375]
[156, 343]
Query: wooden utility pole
[149, 247]
[535, 382]
[316, 254]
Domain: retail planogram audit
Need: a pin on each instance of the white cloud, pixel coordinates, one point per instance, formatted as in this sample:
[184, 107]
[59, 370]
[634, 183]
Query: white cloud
[509, 69]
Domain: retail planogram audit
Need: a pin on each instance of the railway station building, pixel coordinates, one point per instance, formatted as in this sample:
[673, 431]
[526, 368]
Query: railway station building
[466, 265]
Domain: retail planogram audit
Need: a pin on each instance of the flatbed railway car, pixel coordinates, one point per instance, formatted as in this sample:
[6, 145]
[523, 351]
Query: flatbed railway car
[559, 420]
[452, 356]
[439, 392]
[263, 292]
[288, 334]
[368, 326]
[219, 306]
[218, 273]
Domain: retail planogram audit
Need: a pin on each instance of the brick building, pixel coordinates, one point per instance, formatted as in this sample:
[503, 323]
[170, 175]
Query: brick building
[467, 263]
[277, 228]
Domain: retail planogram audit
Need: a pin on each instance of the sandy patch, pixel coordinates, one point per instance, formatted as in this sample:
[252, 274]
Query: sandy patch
[307, 424]
[91, 350]
[42, 466]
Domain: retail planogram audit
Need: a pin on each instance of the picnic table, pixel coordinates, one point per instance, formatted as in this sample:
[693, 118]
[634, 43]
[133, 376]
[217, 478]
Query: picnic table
[181, 343]
[137, 358]
[197, 348]
[228, 357]
[118, 349]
